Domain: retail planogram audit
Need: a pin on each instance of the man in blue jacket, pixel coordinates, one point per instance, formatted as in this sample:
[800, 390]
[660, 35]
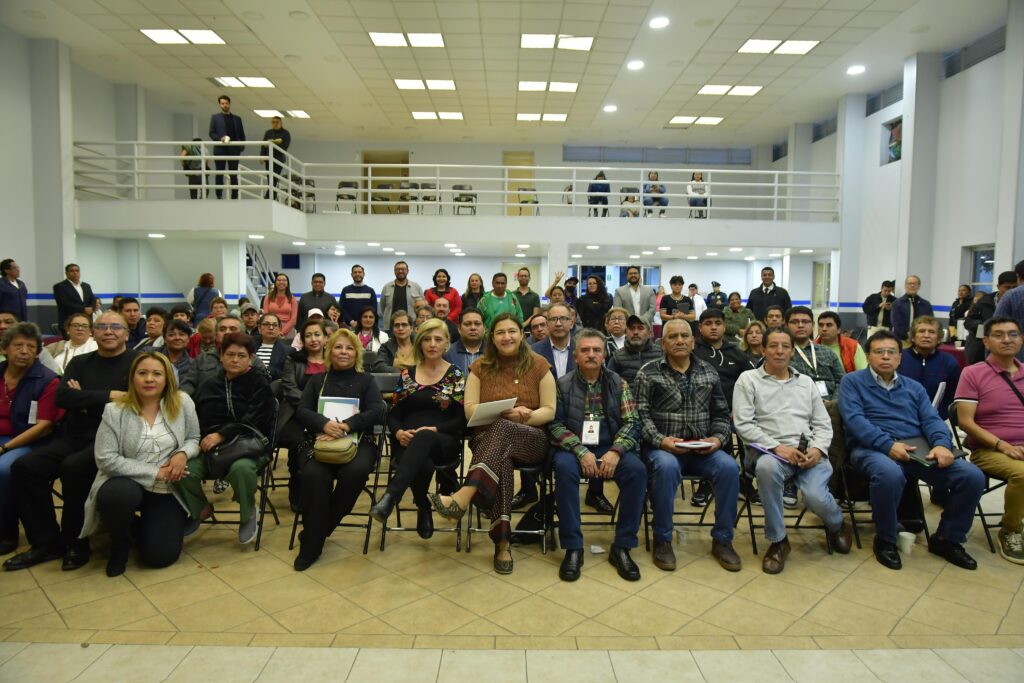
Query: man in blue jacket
[13, 293]
[895, 434]
[909, 308]
[927, 365]
[226, 127]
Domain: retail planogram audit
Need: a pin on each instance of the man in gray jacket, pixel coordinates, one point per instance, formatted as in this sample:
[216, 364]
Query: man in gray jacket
[399, 294]
[637, 298]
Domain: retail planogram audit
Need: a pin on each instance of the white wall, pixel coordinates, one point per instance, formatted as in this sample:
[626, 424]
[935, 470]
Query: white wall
[133, 267]
[94, 115]
[823, 160]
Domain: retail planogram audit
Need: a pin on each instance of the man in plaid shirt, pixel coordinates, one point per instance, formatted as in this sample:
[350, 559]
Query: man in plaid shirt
[680, 400]
[596, 434]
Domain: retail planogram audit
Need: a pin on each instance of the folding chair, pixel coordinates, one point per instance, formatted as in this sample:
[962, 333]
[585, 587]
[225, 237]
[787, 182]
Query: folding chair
[428, 195]
[380, 198]
[463, 196]
[685, 515]
[542, 474]
[346, 193]
[954, 422]
[528, 200]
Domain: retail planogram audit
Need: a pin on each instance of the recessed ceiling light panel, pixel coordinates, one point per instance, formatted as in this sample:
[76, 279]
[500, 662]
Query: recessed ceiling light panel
[164, 36]
[562, 86]
[256, 81]
[745, 90]
[554, 118]
[298, 114]
[388, 39]
[714, 89]
[424, 115]
[527, 117]
[450, 115]
[682, 120]
[426, 40]
[709, 120]
[610, 109]
[201, 36]
[229, 82]
[440, 84]
[537, 40]
[533, 86]
[796, 47]
[759, 46]
[658, 22]
[582, 43]
[856, 70]
[409, 84]
[635, 65]
[266, 113]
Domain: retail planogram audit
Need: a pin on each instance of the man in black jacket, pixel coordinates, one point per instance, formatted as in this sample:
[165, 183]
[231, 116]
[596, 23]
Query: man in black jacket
[72, 295]
[724, 356]
[638, 351]
[983, 309]
[878, 306]
[225, 128]
[768, 294]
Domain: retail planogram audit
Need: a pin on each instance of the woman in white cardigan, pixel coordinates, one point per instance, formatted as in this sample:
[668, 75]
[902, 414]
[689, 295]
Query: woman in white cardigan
[143, 445]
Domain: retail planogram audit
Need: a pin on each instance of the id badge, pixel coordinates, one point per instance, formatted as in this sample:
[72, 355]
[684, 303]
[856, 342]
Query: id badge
[591, 432]
[822, 388]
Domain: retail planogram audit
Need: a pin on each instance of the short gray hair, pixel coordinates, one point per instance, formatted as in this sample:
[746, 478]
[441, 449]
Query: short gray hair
[590, 333]
[29, 330]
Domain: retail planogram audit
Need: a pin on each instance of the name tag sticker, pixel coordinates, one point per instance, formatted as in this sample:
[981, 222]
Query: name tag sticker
[822, 388]
[33, 412]
[591, 433]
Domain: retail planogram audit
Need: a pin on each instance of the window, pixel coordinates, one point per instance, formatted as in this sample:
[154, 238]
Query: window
[982, 263]
[892, 139]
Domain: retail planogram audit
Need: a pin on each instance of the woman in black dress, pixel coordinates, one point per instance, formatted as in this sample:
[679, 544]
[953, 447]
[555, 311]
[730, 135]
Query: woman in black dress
[593, 305]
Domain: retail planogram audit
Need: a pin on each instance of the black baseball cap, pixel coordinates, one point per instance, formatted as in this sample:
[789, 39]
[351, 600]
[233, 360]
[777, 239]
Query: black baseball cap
[634, 319]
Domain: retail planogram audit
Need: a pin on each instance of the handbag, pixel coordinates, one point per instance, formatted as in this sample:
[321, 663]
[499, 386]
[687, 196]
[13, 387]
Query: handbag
[335, 451]
[251, 444]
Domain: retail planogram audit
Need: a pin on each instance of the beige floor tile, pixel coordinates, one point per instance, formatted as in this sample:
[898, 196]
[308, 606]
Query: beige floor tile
[854, 642]
[284, 592]
[586, 595]
[780, 595]
[706, 571]
[357, 640]
[908, 578]
[535, 616]
[952, 588]
[292, 640]
[214, 614]
[372, 626]
[49, 663]
[109, 613]
[131, 637]
[49, 620]
[187, 590]
[750, 665]
[24, 605]
[683, 595]
[221, 664]
[776, 642]
[398, 556]
[480, 627]
[909, 666]
[52, 635]
[534, 643]
[740, 616]
[697, 627]
[992, 571]
[439, 573]
[385, 594]
[484, 593]
[502, 666]
[259, 568]
[220, 554]
[396, 666]
[289, 664]
[328, 614]
[157, 622]
[809, 628]
[872, 593]
[49, 573]
[16, 582]
[812, 575]
[454, 642]
[589, 627]
[531, 574]
[8, 650]
[433, 615]
[613, 643]
[984, 666]
[639, 617]
[345, 573]
[212, 639]
[850, 618]
[953, 618]
[142, 577]
[655, 667]
[1013, 622]
[258, 625]
[134, 663]
[805, 666]
[928, 642]
[697, 642]
[909, 627]
[1010, 641]
[552, 666]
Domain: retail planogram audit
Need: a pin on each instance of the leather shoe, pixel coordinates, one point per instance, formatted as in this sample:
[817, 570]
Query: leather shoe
[425, 522]
[599, 503]
[775, 557]
[726, 556]
[75, 558]
[664, 557]
[302, 563]
[571, 565]
[624, 564]
[953, 552]
[524, 498]
[118, 560]
[383, 507]
[888, 554]
[9, 543]
[32, 557]
[841, 539]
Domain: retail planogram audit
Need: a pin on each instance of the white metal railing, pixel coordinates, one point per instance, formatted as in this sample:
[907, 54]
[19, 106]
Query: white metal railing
[154, 170]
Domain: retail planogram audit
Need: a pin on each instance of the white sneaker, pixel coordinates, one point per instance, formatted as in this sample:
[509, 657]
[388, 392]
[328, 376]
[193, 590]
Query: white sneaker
[247, 532]
[1011, 546]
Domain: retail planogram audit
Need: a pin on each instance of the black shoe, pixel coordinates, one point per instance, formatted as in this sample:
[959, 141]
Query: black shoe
[8, 543]
[383, 507]
[425, 522]
[524, 498]
[789, 495]
[953, 552]
[118, 560]
[571, 565]
[599, 503]
[701, 495]
[887, 554]
[32, 557]
[302, 563]
[624, 564]
[75, 558]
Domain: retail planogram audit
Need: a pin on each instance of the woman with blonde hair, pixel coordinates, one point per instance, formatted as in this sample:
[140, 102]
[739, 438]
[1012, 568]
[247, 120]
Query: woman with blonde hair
[474, 291]
[143, 445]
[752, 341]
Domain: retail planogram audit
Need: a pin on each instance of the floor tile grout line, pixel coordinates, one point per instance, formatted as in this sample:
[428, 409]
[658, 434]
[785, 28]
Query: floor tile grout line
[184, 657]
[264, 667]
[782, 666]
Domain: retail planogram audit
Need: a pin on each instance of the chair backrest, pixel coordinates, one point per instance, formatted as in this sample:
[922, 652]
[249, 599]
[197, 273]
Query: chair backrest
[351, 184]
[460, 188]
[428, 186]
[954, 422]
[629, 190]
[386, 381]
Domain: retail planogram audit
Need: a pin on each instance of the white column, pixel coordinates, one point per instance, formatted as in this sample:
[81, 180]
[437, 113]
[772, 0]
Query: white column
[1010, 212]
[849, 165]
[558, 261]
[798, 158]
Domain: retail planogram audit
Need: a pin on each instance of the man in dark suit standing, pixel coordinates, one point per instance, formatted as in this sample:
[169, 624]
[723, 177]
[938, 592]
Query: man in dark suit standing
[878, 307]
[226, 127]
[72, 295]
[13, 293]
[283, 139]
[768, 294]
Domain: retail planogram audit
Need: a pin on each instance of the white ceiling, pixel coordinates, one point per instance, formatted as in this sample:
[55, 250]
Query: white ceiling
[320, 57]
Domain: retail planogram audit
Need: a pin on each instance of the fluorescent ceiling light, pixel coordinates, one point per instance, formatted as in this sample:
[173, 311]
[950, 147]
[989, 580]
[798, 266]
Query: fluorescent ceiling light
[399, 253]
[388, 39]
[409, 84]
[692, 258]
[256, 81]
[664, 248]
[298, 244]
[709, 120]
[774, 255]
[460, 254]
[517, 255]
[592, 247]
[440, 84]
[748, 258]
[266, 113]
[387, 248]
[537, 40]
[647, 253]
[530, 86]
[576, 256]
[758, 46]
[164, 36]
[806, 251]
[255, 237]
[734, 249]
[635, 65]
[201, 36]
[297, 114]
[714, 90]
[745, 90]
[229, 82]
[583, 43]
[658, 22]
[711, 253]
[634, 256]
[561, 86]
[157, 235]
[424, 115]
[426, 40]
[682, 120]
[610, 109]
[856, 70]
[455, 250]
[796, 47]
[450, 244]
[522, 246]
[527, 117]
[450, 115]
[373, 244]
[339, 252]
[555, 118]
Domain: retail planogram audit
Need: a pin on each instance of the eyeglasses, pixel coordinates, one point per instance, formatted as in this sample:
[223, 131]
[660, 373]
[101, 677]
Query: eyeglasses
[103, 327]
[1000, 336]
[398, 325]
[617, 320]
[885, 352]
[79, 326]
[269, 325]
[558, 319]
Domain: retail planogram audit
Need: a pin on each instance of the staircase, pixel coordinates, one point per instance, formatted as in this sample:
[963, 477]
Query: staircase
[259, 276]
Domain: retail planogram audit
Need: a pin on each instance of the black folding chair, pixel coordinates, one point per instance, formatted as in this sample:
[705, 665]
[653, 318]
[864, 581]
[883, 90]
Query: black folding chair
[954, 422]
[542, 475]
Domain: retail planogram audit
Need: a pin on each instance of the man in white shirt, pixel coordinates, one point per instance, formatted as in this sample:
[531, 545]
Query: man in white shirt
[699, 305]
[72, 295]
[637, 298]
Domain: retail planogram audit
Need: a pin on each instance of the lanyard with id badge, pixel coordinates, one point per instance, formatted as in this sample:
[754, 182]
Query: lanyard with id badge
[813, 362]
[591, 435]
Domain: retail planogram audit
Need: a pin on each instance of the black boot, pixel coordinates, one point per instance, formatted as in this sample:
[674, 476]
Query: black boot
[425, 522]
[382, 509]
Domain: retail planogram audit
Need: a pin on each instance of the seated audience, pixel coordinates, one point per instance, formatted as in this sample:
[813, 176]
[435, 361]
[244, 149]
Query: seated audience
[131, 310]
[779, 409]
[507, 369]
[323, 507]
[737, 316]
[680, 400]
[469, 346]
[182, 312]
[990, 408]
[78, 340]
[850, 353]
[638, 351]
[284, 305]
[615, 329]
[442, 289]
[654, 194]
[205, 338]
[202, 296]
[207, 365]
[250, 320]
[426, 422]
[441, 313]
[28, 414]
[271, 350]
[143, 445]
[334, 314]
[983, 309]
[696, 191]
[313, 314]
[894, 435]
[538, 327]
[218, 308]
[923, 362]
[596, 434]
[499, 300]
[398, 352]
[774, 316]
[629, 207]
[474, 292]
[676, 305]
[818, 362]
[752, 342]
[368, 330]
[424, 312]
[175, 347]
[236, 401]
[156, 319]
[724, 356]
[595, 304]
[597, 194]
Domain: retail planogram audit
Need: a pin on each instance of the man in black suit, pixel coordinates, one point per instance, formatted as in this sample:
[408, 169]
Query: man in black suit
[226, 127]
[72, 295]
[768, 294]
[980, 311]
[878, 306]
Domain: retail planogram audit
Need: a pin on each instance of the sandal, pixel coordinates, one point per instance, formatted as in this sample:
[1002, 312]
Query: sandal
[502, 566]
[451, 511]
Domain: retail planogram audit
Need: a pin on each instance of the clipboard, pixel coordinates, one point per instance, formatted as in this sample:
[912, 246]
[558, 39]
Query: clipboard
[337, 408]
[486, 413]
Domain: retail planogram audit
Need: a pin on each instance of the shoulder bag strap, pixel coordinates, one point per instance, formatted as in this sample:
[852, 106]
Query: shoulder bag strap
[1013, 386]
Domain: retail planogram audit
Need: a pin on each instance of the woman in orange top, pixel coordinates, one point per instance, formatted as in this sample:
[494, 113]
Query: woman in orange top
[281, 303]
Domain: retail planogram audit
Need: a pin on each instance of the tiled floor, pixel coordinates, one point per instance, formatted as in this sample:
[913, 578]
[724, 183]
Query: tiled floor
[423, 595]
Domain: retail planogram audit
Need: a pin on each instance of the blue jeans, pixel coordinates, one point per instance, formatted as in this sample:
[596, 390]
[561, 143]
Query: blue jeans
[962, 482]
[666, 472]
[773, 473]
[631, 478]
[8, 501]
[656, 200]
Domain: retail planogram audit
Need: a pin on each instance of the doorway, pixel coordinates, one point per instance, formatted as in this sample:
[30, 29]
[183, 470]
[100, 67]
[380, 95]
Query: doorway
[822, 281]
[387, 188]
[521, 199]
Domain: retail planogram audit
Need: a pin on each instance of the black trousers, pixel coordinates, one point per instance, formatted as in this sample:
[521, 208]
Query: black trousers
[415, 463]
[156, 532]
[231, 165]
[74, 462]
[329, 492]
[195, 183]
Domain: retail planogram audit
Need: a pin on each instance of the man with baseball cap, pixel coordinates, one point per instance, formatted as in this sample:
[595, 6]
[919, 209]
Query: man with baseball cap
[638, 350]
[250, 319]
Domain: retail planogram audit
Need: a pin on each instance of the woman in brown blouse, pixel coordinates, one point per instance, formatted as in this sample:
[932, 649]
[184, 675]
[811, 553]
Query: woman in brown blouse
[507, 369]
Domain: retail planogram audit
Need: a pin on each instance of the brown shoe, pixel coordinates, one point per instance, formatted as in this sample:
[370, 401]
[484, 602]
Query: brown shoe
[775, 558]
[664, 556]
[841, 539]
[726, 556]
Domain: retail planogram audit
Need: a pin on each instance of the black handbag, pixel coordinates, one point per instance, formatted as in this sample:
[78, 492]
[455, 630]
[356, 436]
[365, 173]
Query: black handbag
[250, 445]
